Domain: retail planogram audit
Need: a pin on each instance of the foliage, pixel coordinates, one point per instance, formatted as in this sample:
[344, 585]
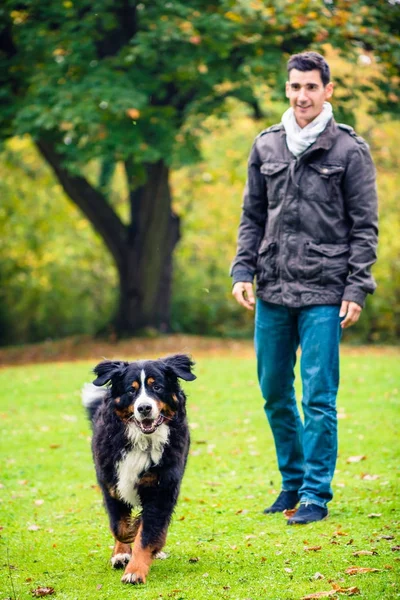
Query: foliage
[131, 82]
[220, 545]
[55, 276]
[124, 84]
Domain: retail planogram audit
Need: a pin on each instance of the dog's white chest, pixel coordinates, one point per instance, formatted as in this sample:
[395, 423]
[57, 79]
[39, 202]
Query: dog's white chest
[146, 451]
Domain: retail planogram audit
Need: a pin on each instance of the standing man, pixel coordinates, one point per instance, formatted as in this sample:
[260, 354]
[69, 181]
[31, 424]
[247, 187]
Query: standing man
[308, 232]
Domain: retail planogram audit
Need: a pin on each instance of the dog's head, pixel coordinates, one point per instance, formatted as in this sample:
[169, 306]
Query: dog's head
[146, 393]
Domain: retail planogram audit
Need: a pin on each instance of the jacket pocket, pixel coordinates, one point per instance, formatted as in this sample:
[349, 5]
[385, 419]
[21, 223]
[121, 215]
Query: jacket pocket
[326, 264]
[267, 269]
[275, 174]
[324, 181]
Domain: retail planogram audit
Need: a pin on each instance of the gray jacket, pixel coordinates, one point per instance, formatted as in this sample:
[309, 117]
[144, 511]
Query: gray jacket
[309, 226]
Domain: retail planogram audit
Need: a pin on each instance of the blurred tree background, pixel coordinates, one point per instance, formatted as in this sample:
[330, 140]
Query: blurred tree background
[126, 127]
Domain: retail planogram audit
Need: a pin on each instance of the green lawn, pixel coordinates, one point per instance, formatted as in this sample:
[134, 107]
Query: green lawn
[54, 530]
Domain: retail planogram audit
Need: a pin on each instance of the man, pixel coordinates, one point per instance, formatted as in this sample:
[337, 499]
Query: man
[308, 232]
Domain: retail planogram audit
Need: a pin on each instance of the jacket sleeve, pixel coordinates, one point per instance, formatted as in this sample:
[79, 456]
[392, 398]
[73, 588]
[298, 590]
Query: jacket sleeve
[252, 221]
[362, 210]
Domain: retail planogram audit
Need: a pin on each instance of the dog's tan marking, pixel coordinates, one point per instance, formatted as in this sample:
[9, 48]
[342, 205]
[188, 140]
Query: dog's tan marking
[112, 490]
[148, 480]
[121, 555]
[136, 385]
[138, 567]
[166, 410]
[124, 413]
[127, 530]
[150, 380]
[117, 400]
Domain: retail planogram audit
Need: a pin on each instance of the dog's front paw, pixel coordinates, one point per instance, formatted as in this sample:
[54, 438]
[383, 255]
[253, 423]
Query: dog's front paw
[133, 578]
[119, 561]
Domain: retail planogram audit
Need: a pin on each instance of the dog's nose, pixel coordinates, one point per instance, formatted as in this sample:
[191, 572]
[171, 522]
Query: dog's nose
[144, 409]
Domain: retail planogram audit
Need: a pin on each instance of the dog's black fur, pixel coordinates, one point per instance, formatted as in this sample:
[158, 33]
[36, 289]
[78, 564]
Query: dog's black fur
[140, 445]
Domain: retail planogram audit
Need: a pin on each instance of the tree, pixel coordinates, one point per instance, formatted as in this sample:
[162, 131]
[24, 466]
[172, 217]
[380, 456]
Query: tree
[127, 81]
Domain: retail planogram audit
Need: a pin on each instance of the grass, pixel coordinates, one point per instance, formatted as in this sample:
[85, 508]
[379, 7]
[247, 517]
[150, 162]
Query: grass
[54, 529]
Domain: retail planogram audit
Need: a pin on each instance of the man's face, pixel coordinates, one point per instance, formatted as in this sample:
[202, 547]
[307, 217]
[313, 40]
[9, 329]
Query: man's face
[307, 94]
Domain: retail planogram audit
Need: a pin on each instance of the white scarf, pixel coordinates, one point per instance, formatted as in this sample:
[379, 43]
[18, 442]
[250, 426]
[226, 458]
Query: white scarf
[299, 139]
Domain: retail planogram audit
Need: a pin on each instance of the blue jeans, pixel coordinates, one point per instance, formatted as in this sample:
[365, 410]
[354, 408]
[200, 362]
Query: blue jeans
[306, 452]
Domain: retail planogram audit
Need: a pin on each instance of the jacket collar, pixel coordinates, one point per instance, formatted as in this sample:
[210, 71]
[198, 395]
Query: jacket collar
[324, 141]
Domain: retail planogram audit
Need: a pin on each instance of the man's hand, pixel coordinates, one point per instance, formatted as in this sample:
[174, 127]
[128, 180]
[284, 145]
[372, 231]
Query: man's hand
[243, 293]
[351, 311]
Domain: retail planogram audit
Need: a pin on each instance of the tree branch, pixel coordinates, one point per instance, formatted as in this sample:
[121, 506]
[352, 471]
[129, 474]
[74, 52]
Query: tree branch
[91, 202]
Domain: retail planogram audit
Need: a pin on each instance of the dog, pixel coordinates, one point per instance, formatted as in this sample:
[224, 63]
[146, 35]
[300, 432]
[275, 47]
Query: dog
[140, 445]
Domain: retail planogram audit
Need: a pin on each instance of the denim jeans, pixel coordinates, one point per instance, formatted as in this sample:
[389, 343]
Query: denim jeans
[306, 451]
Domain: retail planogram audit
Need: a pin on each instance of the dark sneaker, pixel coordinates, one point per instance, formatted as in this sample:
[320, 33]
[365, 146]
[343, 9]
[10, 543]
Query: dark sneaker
[308, 513]
[285, 501]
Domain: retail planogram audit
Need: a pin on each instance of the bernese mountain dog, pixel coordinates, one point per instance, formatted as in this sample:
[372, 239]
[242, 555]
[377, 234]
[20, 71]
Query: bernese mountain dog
[140, 445]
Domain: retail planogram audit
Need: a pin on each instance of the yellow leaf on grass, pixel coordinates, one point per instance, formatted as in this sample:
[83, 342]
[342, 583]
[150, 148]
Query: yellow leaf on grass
[356, 459]
[327, 594]
[360, 570]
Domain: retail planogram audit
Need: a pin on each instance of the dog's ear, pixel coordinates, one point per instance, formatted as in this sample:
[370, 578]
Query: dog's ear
[108, 369]
[181, 365]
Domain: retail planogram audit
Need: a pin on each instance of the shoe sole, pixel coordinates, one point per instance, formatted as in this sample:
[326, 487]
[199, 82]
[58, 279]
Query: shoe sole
[306, 522]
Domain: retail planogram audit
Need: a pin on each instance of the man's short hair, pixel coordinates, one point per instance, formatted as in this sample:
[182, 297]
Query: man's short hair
[310, 61]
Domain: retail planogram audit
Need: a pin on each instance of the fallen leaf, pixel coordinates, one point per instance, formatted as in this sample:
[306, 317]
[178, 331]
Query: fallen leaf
[288, 570]
[340, 532]
[289, 512]
[327, 594]
[98, 587]
[368, 477]
[312, 548]
[43, 591]
[39, 502]
[33, 528]
[194, 559]
[318, 576]
[374, 515]
[360, 570]
[364, 553]
[356, 459]
[350, 591]
[395, 548]
[386, 537]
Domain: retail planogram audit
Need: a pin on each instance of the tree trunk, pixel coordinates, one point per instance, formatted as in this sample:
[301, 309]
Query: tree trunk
[142, 251]
[146, 273]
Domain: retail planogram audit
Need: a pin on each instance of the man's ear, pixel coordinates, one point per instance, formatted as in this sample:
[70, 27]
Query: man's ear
[181, 365]
[329, 90]
[107, 369]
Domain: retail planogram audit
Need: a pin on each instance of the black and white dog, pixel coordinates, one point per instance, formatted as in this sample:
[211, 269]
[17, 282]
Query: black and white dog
[140, 445]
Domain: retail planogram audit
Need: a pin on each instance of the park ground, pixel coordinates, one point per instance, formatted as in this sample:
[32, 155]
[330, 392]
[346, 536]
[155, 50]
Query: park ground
[54, 536]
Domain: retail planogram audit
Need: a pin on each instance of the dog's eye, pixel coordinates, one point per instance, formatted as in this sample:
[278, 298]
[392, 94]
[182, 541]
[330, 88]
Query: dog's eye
[157, 388]
[130, 393]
